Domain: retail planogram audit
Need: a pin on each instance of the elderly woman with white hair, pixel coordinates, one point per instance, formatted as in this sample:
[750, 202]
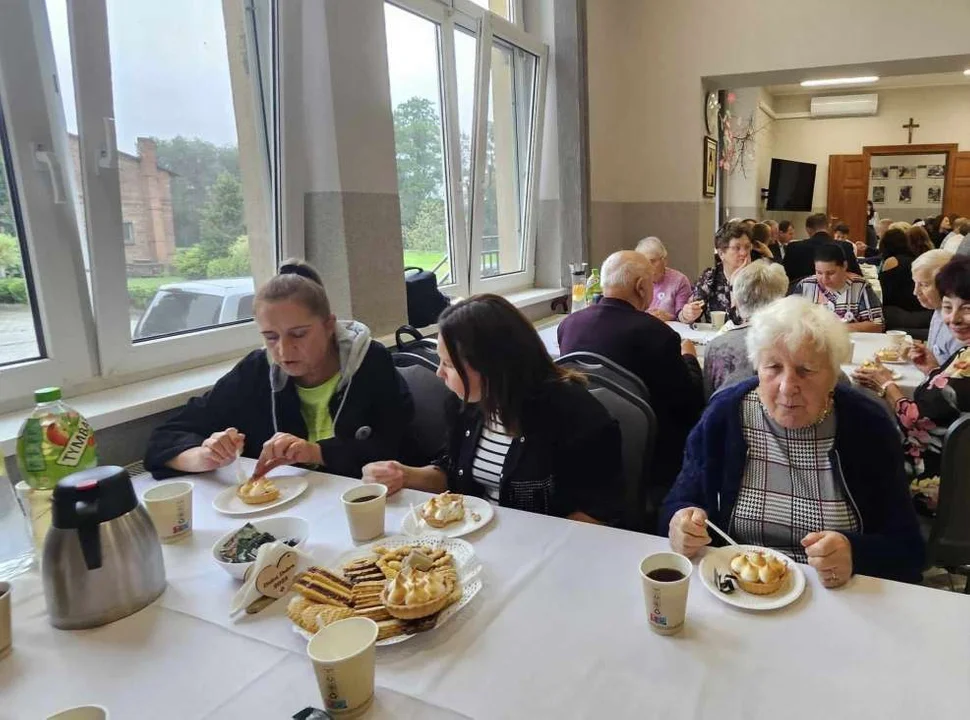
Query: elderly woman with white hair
[754, 287]
[939, 341]
[787, 461]
[671, 288]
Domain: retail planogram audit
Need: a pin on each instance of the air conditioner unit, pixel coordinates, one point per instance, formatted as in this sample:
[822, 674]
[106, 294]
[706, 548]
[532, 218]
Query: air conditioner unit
[845, 105]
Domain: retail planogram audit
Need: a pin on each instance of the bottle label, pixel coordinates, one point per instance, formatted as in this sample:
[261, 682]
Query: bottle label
[77, 445]
[53, 446]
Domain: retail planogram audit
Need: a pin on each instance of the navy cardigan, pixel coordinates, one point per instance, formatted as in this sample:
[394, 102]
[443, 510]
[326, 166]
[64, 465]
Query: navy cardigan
[868, 448]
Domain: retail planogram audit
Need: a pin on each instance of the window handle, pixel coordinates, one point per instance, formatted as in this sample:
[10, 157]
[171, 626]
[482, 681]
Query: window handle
[47, 160]
[108, 158]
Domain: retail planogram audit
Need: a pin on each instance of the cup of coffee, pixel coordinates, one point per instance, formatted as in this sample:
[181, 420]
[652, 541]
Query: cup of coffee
[6, 634]
[364, 506]
[81, 712]
[897, 340]
[717, 318]
[665, 577]
[170, 507]
[343, 656]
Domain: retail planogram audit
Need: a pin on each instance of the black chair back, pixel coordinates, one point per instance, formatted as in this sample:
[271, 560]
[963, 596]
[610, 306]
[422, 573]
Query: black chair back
[949, 544]
[419, 345]
[428, 433]
[594, 364]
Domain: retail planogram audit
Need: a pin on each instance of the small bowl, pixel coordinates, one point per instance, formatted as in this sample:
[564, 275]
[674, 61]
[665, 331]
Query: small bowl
[282, 528]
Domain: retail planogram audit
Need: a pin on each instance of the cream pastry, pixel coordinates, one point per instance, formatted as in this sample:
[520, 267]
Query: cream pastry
[444, 509]
[759, 573]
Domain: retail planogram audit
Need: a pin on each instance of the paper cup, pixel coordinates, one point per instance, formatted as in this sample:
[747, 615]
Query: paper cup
[343, 656]
[897, 339]
[851, 351]
[364, 506]
[666, 601]
[6, 634]
[170, 507]
[81, 712]
[717, 318]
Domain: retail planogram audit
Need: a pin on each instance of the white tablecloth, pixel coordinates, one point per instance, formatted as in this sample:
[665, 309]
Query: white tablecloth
[558, 631]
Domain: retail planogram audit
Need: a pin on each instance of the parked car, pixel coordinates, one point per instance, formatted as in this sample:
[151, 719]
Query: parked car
[196, 304]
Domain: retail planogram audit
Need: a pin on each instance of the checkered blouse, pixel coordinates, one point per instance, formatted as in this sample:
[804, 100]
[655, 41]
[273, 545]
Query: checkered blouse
[790, 486]
[855, 302]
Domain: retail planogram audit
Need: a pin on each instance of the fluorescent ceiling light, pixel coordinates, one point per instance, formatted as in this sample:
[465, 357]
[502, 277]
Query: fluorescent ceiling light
[840, 81]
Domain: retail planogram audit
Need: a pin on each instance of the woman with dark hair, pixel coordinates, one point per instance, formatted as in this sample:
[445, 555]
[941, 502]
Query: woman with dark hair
[321, 393]
[945, 394]
[900, 307]
[919, 240]
[524, 433]
[732, 242]
[760, 239]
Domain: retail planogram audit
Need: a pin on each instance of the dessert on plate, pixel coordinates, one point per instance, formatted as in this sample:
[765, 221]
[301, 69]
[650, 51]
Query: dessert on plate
[413, 594]
[888, 355]
[443, 510]
[759, 573]
[257, 491]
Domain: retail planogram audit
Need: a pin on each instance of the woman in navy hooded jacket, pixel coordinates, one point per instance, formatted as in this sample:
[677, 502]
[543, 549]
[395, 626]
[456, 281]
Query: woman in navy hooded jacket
[794, 462]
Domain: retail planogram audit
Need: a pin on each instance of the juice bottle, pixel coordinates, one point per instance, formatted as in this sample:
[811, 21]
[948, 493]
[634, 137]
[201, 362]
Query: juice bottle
[594, 291]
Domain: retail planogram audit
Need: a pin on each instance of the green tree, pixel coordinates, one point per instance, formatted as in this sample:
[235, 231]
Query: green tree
[221, 218]
[7, 225]
[191, 263]
[236, 264]
[429, 230]
[417, 138]
[10, 260]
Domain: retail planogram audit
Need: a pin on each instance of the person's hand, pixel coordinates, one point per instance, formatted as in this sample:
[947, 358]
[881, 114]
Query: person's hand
[661, 314]
[873, 377]
[286, 449]
[688, 532]
[860, 249]
[691, 311]
[385, 472]
[220, 449]
[687, 348]
[919, 354]
[830, 553]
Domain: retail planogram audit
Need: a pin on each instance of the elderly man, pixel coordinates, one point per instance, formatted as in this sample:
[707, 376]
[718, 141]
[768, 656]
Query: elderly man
[619, 328]
[671, 288]
[850, 298]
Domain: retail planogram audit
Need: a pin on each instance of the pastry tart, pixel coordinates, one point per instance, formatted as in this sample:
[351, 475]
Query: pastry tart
[444, 509]
[759, 573]
[414, 594]
[257, 491]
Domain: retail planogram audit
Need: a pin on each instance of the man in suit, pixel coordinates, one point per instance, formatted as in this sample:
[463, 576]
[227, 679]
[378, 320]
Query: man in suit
[800, 257]
[785, 234]
[619, 328]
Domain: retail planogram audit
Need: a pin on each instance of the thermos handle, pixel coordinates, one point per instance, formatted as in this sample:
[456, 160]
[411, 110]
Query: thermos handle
[88, 533]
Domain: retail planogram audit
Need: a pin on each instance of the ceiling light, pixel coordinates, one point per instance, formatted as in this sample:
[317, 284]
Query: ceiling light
[840, 81]
[967, 71]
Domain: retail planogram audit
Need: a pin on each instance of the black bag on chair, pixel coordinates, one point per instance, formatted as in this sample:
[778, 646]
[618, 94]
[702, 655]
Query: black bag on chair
[425, 300]
[419, 350]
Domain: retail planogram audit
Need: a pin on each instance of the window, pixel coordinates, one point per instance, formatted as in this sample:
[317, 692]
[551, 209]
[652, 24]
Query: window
[467, 88]
[129, 228]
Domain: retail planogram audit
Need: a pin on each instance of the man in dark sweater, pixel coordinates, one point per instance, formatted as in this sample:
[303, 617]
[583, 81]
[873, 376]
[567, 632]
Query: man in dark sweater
[619, 328]
[800, 257]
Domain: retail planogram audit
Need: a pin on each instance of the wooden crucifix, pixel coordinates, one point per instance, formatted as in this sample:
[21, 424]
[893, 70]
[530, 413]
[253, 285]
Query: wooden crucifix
[910, 126]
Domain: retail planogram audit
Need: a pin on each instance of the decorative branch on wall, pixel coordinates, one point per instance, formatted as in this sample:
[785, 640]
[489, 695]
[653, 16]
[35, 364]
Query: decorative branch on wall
[737, 139]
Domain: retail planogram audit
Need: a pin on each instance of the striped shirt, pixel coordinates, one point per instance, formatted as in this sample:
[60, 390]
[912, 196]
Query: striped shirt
[855, 302]
[493, 446]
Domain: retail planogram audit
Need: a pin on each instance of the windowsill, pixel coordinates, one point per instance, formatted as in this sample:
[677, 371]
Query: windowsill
[124, 403]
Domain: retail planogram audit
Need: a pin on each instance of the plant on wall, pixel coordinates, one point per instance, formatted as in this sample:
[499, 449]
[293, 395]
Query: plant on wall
[737, 139]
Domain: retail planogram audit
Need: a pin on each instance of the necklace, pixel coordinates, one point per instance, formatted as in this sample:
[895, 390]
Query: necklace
[826, 411]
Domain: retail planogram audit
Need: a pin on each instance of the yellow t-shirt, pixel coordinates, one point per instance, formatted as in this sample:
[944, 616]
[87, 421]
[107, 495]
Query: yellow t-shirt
[315, 408]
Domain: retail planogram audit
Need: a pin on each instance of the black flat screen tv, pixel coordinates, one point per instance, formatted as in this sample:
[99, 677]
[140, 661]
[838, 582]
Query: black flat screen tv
[791, 186]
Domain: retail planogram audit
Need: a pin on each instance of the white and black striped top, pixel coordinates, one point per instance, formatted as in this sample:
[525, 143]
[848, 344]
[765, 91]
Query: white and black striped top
[493, 446]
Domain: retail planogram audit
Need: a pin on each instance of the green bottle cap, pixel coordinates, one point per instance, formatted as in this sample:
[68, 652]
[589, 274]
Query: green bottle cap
[48, 394]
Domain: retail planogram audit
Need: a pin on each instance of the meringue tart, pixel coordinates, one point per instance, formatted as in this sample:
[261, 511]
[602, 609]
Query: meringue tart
[443, 510]
[759, 573]
[257, 491]
[414, 594]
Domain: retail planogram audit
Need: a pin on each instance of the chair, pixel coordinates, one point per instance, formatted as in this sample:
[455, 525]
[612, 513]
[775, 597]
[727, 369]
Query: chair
[429, 429]
[590, 363]
[949, 543]
[426, 347]
[638, 431]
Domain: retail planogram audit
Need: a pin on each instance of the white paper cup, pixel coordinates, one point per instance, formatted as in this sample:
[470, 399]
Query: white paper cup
[6, 634]
[666, 602]
[81, 712]
[170, 507]
[897, 339]
[365, 517]
[717, 318]
[851, 351]
[343, 656]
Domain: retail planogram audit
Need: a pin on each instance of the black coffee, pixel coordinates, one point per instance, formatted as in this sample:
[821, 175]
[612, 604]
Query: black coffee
[365, 498]
[665, 575]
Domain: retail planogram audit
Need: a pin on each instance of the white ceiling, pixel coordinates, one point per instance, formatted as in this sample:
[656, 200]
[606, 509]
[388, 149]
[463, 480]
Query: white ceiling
[886, 83]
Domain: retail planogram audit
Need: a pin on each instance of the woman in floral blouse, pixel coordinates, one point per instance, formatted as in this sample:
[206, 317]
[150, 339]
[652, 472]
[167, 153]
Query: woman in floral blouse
[945, 394]
[713, 288]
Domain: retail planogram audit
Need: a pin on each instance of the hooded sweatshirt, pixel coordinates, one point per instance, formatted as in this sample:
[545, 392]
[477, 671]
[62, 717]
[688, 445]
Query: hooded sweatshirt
[371, 409]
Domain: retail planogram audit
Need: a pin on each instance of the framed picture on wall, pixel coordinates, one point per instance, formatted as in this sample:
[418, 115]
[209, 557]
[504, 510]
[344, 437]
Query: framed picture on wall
[710, 167]
[879, 172]
[905, 194]
[907, 172]
[934, 195]
[935, 171]
[878, 194]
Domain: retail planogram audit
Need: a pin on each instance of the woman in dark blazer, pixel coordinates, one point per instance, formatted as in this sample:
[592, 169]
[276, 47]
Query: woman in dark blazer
[524, 433]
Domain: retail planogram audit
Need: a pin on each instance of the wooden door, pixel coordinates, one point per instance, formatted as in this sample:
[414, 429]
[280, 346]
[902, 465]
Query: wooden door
[848, 191]
[957, 196]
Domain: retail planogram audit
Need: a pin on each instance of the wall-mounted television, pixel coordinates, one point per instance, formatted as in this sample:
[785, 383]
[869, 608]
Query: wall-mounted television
[791, 186]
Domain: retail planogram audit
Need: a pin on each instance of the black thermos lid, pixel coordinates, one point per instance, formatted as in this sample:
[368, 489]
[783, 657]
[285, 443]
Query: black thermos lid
[92, 496]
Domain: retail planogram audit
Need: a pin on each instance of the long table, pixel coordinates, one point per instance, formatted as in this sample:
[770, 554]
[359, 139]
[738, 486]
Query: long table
[558, 631]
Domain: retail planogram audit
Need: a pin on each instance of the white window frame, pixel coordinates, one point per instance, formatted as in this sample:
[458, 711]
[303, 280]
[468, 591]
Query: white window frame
[41, 168]
[99, 169]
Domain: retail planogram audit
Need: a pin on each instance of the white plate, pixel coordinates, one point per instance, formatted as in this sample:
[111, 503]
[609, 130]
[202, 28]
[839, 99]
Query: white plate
[466, 564]
[469, 525]
[720, 559]
[228, 503]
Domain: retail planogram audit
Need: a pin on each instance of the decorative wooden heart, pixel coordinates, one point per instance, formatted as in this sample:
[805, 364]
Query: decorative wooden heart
[275, 581]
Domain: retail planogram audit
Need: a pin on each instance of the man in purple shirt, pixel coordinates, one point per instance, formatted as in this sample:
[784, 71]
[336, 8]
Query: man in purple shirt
[671, 288]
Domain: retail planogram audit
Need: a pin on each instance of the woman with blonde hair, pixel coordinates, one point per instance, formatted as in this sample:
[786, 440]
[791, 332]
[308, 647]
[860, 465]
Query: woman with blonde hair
[321, 393]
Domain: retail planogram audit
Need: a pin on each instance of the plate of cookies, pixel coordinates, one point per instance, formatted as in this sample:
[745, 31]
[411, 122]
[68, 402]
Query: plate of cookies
[752, 577]
[406, 585]
[258, 494]
[450, 514]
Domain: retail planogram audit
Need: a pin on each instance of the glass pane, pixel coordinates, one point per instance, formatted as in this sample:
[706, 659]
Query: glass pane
[511, 98]
[499, 7]
[466, 51]
[19, 331]
[415, 76]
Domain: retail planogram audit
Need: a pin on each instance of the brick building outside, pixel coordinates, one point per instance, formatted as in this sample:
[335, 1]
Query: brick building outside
[146, 207]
